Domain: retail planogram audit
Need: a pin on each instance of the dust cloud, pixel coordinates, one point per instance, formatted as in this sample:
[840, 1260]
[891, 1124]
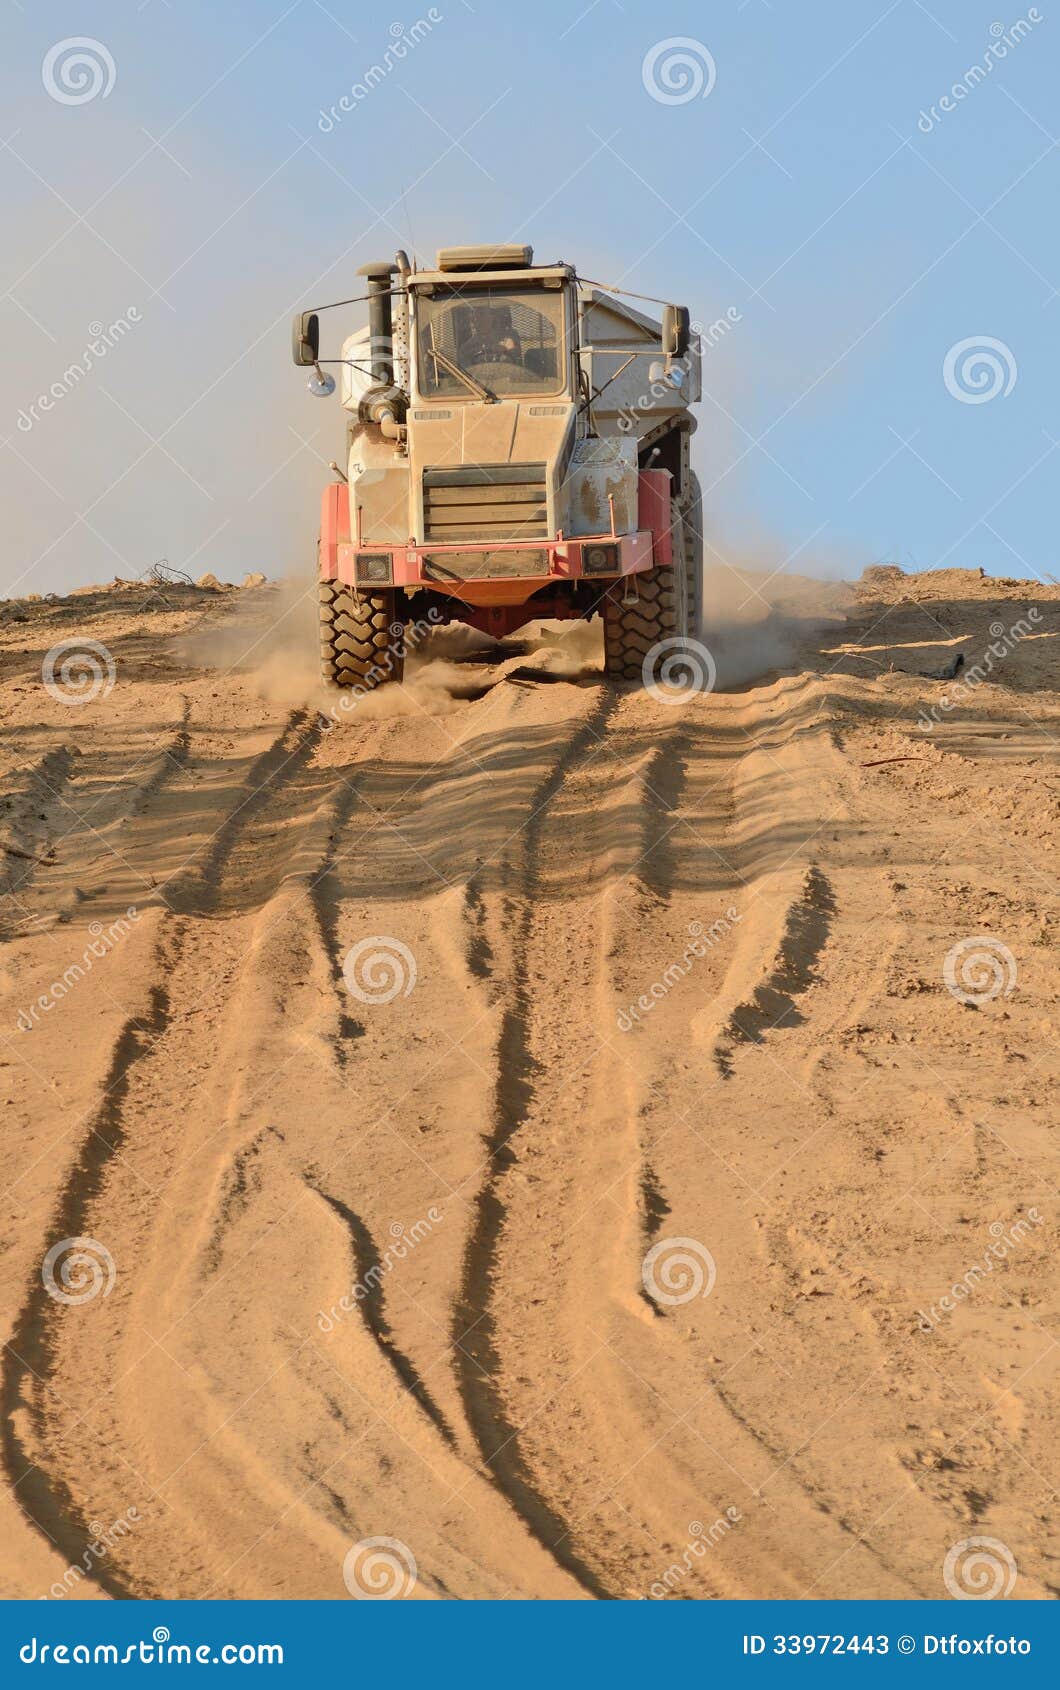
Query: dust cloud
[758, 617]
[271, 639]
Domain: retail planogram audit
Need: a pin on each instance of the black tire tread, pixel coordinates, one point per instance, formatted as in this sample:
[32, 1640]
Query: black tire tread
[631, 630]
[357, 645]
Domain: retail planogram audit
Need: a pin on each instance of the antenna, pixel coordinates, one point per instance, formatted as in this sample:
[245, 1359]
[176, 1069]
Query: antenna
[408, 221]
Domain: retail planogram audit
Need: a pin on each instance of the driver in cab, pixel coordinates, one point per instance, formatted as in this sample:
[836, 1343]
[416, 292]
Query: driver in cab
[492, 340]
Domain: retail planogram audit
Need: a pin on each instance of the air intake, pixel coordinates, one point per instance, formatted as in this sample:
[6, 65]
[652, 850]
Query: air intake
[485, 502]
[485, 257]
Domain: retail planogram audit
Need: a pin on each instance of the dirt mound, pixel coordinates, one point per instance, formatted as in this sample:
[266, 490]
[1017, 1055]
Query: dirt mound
[888, 583]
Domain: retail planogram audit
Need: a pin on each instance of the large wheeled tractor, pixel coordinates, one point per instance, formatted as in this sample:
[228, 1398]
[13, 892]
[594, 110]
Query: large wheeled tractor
[517, 449]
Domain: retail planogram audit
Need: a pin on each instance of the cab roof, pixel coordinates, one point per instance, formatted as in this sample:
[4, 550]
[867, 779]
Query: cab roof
[471, 278]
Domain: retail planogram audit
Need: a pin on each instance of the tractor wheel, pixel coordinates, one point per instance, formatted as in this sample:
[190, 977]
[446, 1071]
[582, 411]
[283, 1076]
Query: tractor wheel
[358, 646]
[694, 560]
[659, 613]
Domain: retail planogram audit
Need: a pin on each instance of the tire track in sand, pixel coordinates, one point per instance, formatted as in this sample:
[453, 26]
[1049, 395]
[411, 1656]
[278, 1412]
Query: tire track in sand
[29, 1356]
[580, 1201]
[30, 827]
[29, 1364]
[473, 1325]
[368, 1275]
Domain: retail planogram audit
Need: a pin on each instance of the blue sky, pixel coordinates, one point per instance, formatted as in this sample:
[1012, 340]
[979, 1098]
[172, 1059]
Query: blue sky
[787, 176]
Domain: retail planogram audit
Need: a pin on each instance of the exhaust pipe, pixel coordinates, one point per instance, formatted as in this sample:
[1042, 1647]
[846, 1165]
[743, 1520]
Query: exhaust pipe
[380, 320]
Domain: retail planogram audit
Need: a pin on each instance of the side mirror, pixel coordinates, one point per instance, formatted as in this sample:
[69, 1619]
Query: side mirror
[676, 330]
[305, 338]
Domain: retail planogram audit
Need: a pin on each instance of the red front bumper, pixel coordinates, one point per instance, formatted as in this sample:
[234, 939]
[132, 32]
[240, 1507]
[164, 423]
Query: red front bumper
[522, 567]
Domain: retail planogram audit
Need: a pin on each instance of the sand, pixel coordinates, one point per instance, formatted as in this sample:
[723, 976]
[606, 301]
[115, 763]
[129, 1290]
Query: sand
[669, 1208]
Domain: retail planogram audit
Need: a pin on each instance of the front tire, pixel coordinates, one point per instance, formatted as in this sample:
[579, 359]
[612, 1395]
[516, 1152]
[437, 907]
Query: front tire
[661, 612]
[694, 559]
[358, 643]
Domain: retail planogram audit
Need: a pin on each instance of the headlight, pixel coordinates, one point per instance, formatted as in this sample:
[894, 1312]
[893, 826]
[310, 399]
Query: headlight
[600, 560]
[373, 568]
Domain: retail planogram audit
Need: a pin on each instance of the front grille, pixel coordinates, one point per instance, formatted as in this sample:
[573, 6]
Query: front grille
[485, 502]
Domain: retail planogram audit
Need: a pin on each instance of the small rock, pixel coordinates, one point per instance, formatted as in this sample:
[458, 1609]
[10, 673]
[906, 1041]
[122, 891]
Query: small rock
[255, 579]
[210, 582]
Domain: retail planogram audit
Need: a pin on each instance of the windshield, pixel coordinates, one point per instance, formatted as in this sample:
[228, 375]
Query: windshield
[503, 340]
